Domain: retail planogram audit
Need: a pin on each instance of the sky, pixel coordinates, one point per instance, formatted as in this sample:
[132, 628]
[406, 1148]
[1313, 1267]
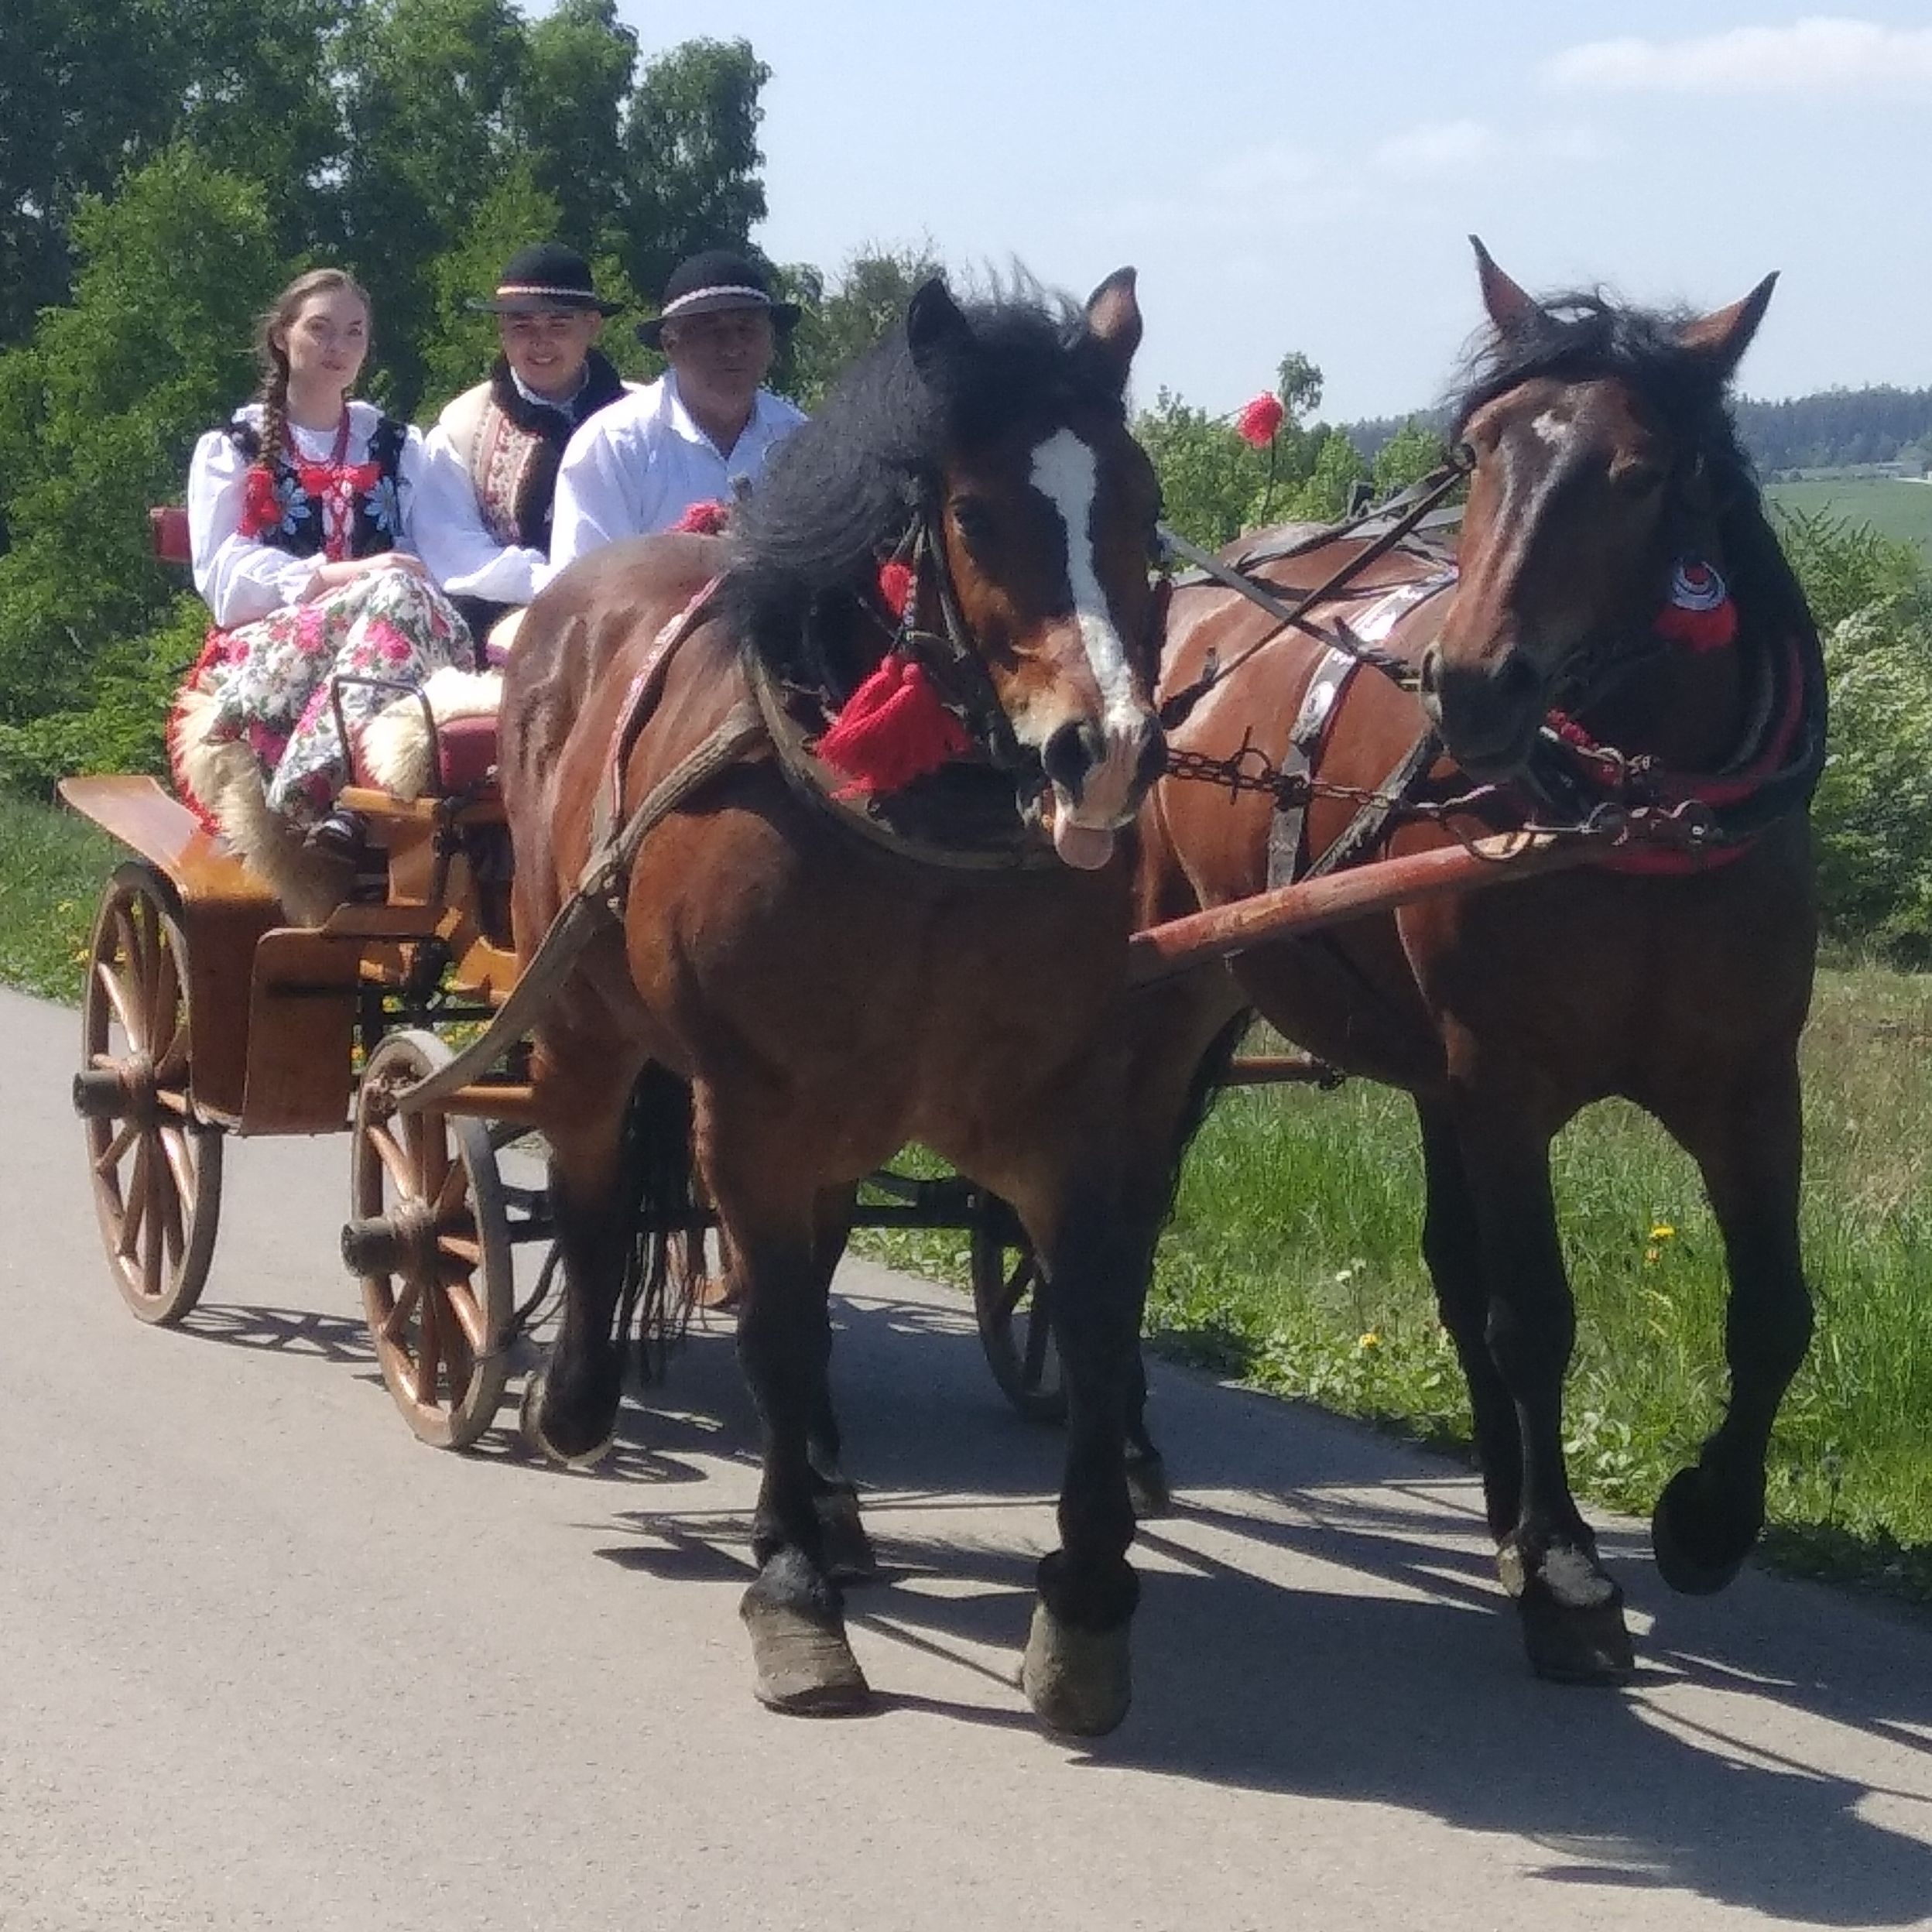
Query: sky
[1302, 174]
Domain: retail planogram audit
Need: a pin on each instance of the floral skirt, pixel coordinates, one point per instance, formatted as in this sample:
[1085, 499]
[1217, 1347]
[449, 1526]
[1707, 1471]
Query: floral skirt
[274, 682]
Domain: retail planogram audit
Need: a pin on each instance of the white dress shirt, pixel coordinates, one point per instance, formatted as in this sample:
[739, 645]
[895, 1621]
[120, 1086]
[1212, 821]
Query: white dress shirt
[242, 578]
[636, 466]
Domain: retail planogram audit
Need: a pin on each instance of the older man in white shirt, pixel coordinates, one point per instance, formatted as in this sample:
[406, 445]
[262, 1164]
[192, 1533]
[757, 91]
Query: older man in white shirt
[700, 433]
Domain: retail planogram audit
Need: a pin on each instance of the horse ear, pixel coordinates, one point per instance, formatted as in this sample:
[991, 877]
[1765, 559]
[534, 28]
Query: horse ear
[1507, 304]
[1722, 336]
[935, 327]
[1113, 320]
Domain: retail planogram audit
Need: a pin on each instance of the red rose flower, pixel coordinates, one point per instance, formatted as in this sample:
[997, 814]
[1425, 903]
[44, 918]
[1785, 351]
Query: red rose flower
[1260, 420]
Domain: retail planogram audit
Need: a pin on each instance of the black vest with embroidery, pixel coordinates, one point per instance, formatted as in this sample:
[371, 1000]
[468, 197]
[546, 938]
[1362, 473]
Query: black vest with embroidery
[514, 453]
[376, 504]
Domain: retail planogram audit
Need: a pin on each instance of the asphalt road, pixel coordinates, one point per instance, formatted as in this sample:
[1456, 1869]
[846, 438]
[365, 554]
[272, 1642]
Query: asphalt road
[266, 1662]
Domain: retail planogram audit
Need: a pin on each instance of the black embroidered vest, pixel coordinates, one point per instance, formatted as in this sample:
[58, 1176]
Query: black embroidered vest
[294, 522]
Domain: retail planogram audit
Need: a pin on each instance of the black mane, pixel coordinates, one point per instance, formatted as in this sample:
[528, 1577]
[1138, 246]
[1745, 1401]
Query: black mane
[839, 493]
[1584, 337]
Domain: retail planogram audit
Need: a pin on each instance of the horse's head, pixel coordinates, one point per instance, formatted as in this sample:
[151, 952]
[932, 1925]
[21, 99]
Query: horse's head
[1041, 508]
[1592, 430]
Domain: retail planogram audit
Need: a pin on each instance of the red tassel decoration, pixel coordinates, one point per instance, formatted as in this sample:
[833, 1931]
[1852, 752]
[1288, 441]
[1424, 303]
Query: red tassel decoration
[260, 503]
[895, 587]
[1700, 613]
[707, 519]
[892, 729]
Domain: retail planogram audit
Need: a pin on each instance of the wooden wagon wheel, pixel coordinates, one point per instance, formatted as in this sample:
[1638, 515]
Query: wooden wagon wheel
[430, 1241]
[1010, 1300]
[157, 1170]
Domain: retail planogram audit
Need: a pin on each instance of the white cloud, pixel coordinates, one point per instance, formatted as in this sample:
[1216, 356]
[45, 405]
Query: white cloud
[1820, 55]
[1436, 146]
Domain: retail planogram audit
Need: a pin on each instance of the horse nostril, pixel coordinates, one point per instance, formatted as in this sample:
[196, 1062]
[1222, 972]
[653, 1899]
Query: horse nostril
[1072, 750]
[1516, 677]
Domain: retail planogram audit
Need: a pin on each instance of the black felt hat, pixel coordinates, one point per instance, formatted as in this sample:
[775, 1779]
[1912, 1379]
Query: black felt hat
[545, 277]
[714, 280]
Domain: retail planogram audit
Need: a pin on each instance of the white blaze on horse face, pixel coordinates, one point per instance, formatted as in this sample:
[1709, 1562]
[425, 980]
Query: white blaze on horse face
[1066, 474]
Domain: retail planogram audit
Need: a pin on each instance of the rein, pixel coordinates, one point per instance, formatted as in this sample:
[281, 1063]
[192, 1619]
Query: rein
[1421, 497]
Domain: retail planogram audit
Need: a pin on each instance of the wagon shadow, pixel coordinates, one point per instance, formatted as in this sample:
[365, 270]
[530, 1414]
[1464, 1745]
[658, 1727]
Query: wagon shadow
[1392, 1675]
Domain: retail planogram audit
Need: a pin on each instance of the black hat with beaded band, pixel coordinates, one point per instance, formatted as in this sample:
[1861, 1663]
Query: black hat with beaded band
[543, 279]
[706, 283]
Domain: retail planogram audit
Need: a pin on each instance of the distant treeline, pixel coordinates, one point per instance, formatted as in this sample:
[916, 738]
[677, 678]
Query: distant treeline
[1835, 429]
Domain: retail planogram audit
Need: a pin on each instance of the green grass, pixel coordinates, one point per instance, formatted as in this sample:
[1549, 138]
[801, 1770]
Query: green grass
[52, 868]
[1893, 507]
[1292, 1264]
[1292, 1261]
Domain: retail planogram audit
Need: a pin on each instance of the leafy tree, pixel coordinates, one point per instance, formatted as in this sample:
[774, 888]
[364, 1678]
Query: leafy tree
[97, 414]
[1329, 487]
[1298, 381]
[869, 299]
[691, 143]
[1406, 457]
[427, 84]
[567, 114]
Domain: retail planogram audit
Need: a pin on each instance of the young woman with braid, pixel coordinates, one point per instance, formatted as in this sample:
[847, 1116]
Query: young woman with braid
[299, 511]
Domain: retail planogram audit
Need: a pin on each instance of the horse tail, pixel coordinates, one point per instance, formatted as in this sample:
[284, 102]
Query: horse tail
[665, 1260]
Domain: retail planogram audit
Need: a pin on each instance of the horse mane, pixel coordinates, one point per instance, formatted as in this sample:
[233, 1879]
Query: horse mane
[1584, 336]
[839, 493]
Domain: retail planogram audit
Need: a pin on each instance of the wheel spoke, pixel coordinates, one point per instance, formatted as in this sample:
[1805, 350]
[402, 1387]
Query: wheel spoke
[433, 1155]
[395, 1323]
[130, 946]
[465, 1248]
[174, 1144]
[152, 1238]
[118, 998]
[174, 1100]
[135, 1206]
[429, 1350]
[394, 1160]
[173, 1064]
[450, 1196]
[1026, 1270]
[164, 991]
[1039, 1333]
[456, 1297]
[110, 1156]
[168, 1195]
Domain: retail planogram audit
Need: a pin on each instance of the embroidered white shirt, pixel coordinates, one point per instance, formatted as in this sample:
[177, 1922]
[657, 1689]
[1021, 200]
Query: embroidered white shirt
[462, 555]
[242, 578]
[638, 466]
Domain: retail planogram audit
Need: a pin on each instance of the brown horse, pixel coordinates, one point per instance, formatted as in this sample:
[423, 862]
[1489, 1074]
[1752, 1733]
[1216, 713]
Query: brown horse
[794, 991]
[1579, 615]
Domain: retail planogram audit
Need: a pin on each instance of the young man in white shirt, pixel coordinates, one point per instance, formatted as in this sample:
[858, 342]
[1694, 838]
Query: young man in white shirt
[701, 433]
[485, 498]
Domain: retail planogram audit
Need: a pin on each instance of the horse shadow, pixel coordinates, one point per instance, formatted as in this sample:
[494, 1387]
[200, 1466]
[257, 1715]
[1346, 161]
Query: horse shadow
[1392, 1675]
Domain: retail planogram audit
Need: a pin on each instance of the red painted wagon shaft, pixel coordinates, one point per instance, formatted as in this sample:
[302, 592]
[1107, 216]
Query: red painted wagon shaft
[1160, 951]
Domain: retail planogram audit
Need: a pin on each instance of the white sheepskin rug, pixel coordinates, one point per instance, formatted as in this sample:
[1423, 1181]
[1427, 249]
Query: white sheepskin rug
[395, 744]
[394, 755]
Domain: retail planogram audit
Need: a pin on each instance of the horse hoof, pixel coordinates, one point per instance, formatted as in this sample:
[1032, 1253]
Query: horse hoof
[1147, 1487]
[1571, 1643]
[805, 1667]
[529, 1416]
[846, 1549]
[1683, 1536]
[1078, 1681]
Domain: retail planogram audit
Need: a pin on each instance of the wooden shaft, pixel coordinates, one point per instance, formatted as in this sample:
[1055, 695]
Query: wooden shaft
[1289, 911]
[1278, 1069]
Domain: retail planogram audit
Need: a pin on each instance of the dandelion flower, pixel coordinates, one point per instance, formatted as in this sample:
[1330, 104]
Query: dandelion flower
[1663, 1231]
[1371, 1340]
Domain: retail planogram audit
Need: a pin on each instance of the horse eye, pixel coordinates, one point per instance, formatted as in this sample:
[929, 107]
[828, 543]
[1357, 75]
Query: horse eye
[975, 521]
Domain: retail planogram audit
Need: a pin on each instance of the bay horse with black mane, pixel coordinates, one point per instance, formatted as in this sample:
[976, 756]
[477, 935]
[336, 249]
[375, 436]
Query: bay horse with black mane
[798, 981]
[1618, 627]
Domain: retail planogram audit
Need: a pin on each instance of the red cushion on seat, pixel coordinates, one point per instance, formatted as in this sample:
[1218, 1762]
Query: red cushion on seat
[168, 533]
[467, 746]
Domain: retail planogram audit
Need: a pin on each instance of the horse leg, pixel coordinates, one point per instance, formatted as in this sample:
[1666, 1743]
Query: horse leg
[1146, 1467]
[1749, 1143]
[572, 1405]
[793, 1610]
[1571, 1610]
[1075, 1672]
[848, 1553]
[1452, 1250]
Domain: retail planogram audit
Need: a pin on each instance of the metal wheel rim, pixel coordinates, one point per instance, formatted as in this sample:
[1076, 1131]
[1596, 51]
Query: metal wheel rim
[155, 1168]
[437, 1339]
